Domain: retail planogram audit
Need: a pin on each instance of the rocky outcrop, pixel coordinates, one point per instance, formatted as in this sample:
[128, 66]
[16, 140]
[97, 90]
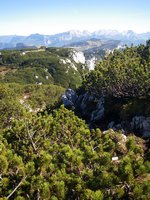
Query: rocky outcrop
[98, 113]
[78, 57]
[91, 63]
[69, 98]
[89, 107]
[92, 110]
[141, 124]
[116, 127]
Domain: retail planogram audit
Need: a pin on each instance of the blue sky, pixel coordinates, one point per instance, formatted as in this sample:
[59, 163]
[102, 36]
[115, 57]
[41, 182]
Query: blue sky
[23, 17]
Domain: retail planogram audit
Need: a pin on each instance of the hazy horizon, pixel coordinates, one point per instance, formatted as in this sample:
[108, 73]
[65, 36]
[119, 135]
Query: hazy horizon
[34, 33]
[50, 17]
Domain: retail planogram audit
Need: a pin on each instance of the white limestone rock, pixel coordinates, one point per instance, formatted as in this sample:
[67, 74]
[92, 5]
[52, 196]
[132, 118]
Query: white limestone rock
[78, 57]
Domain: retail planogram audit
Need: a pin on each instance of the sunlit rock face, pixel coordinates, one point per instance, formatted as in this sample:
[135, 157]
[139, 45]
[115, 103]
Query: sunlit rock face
[91, 63]
[78, 57]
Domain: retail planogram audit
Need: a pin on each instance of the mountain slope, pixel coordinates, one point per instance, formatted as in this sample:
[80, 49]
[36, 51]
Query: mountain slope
[59, 66]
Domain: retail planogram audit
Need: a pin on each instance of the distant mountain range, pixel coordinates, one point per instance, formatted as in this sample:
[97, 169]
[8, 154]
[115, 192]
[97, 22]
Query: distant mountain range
[67, 38]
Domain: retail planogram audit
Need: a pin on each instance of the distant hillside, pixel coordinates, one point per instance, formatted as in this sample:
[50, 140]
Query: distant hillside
[60, 66]
[93, 43]
[95, 47]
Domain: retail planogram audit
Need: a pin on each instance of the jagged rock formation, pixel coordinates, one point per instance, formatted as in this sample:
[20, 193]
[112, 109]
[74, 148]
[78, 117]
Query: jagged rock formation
[89, 107]
[69, 98]
[92, 109]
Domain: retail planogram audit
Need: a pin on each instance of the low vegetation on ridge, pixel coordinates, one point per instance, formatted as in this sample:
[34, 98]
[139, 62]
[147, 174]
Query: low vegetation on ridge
[47, 152]
[57, 157]
[123, 73]
[49, 66]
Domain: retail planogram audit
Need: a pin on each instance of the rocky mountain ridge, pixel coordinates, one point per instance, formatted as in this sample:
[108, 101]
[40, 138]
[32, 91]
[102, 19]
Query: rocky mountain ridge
[61, 39]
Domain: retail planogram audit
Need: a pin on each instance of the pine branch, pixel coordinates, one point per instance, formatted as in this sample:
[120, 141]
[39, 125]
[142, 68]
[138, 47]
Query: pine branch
[31, 140]
[16, 187]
